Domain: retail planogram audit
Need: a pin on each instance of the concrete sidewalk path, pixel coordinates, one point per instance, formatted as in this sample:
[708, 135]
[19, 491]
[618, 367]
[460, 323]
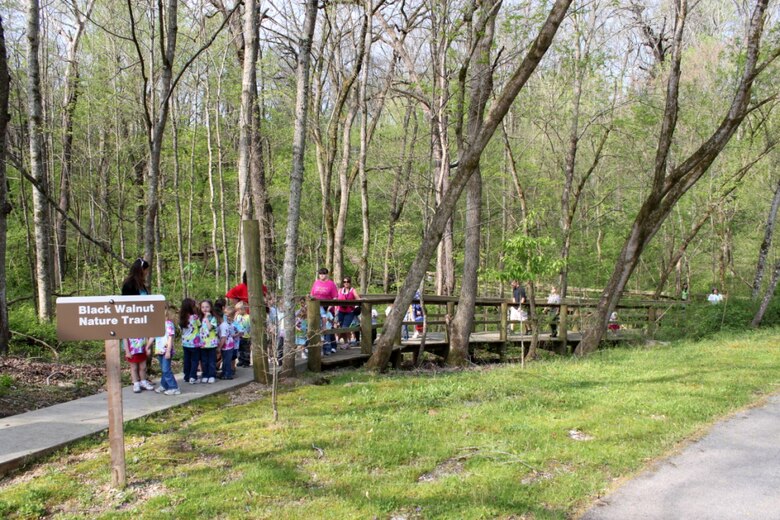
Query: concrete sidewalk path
[30, 435]
[731, 473]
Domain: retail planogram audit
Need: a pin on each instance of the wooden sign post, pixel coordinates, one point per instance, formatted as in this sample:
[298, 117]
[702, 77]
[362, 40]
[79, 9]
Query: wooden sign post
[112, 318]
[116, 418]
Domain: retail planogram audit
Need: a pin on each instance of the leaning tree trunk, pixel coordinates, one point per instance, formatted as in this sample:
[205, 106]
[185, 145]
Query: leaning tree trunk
[296, 182]
[5, 208]
[669, 186]
[467, 166]
[730, 185]
[768, 295]
[37, 168]
[763, 251]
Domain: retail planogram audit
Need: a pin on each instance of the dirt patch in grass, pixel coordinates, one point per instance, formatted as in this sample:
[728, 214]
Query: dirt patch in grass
[444, 469]
[29, 384]
[248, 394]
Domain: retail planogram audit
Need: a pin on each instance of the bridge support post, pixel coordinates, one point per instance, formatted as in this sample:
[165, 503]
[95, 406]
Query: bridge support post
[651, 311]
[502, 331]
[448, 319]
[563, 326]
[576, 319]
[313, 326]
[366, 328]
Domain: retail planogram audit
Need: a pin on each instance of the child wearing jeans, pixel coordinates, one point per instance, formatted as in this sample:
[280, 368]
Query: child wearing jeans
[163, 349]
[243, 327]
[301, 328]
[191, 342]
[328, 340]
[208, 333]
[227, 343]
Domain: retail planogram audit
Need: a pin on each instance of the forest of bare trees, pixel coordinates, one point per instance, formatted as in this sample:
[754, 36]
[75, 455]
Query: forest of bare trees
[401, 142]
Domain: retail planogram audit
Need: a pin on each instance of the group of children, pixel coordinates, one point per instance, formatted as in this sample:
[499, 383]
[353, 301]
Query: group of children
[215, 339]
[212, 336]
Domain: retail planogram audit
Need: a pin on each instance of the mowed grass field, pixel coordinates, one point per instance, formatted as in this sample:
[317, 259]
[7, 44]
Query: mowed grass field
[490, 442]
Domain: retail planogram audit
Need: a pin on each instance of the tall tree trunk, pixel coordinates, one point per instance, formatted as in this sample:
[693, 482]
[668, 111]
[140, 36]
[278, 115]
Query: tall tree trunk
[262, 204]
[763, 251]
[210, 177]
[296, 182]
[339, 227]
[157, 130]
[345, 188]
[400, 189]
[467, 165]
[440, 145]
[70, 98]
[478, 64]
[177, 199]
[362, 154]
[463, 322]
[222, 209]
[669, 186]
[41, 224]
[5, 207]
[246, 117]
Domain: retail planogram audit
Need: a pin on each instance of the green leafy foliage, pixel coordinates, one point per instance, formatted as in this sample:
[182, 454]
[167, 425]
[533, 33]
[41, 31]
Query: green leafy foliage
[528, 258]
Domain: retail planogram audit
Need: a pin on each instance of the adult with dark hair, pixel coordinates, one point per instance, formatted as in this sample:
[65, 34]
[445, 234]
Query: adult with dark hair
[135, 283]
[136, 348]
[521, 300]
[323, 287]
[346, 313]
[240, 293]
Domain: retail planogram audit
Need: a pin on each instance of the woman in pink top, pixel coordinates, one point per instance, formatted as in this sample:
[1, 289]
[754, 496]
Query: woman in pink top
[346, 313]
[323, 287]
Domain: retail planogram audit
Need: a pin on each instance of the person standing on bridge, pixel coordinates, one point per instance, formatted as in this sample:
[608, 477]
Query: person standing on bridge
[715, 297]
[554, 300]
[345, 315]
[323, 287]
[521, 299]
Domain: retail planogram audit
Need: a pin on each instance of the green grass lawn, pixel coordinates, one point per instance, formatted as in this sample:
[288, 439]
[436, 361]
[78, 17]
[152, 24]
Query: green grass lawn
[486, 443]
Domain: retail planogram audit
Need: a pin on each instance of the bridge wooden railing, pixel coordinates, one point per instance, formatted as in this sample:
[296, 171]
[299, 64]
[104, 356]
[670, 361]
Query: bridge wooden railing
[491, 315]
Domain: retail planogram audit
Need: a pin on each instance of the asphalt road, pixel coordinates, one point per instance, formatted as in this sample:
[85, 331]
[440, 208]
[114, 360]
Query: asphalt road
[731, 473]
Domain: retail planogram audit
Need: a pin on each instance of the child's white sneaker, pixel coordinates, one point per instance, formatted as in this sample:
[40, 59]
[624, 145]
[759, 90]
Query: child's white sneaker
[210, 380]
[159, 390]
[137, 388]
[146, 385]
[172, 391]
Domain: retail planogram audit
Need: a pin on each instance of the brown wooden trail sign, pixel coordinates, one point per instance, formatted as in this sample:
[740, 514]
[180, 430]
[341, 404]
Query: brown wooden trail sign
[112, 318]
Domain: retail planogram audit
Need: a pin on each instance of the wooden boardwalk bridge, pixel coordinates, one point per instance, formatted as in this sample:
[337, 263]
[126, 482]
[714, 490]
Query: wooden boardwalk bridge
[492, 330]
